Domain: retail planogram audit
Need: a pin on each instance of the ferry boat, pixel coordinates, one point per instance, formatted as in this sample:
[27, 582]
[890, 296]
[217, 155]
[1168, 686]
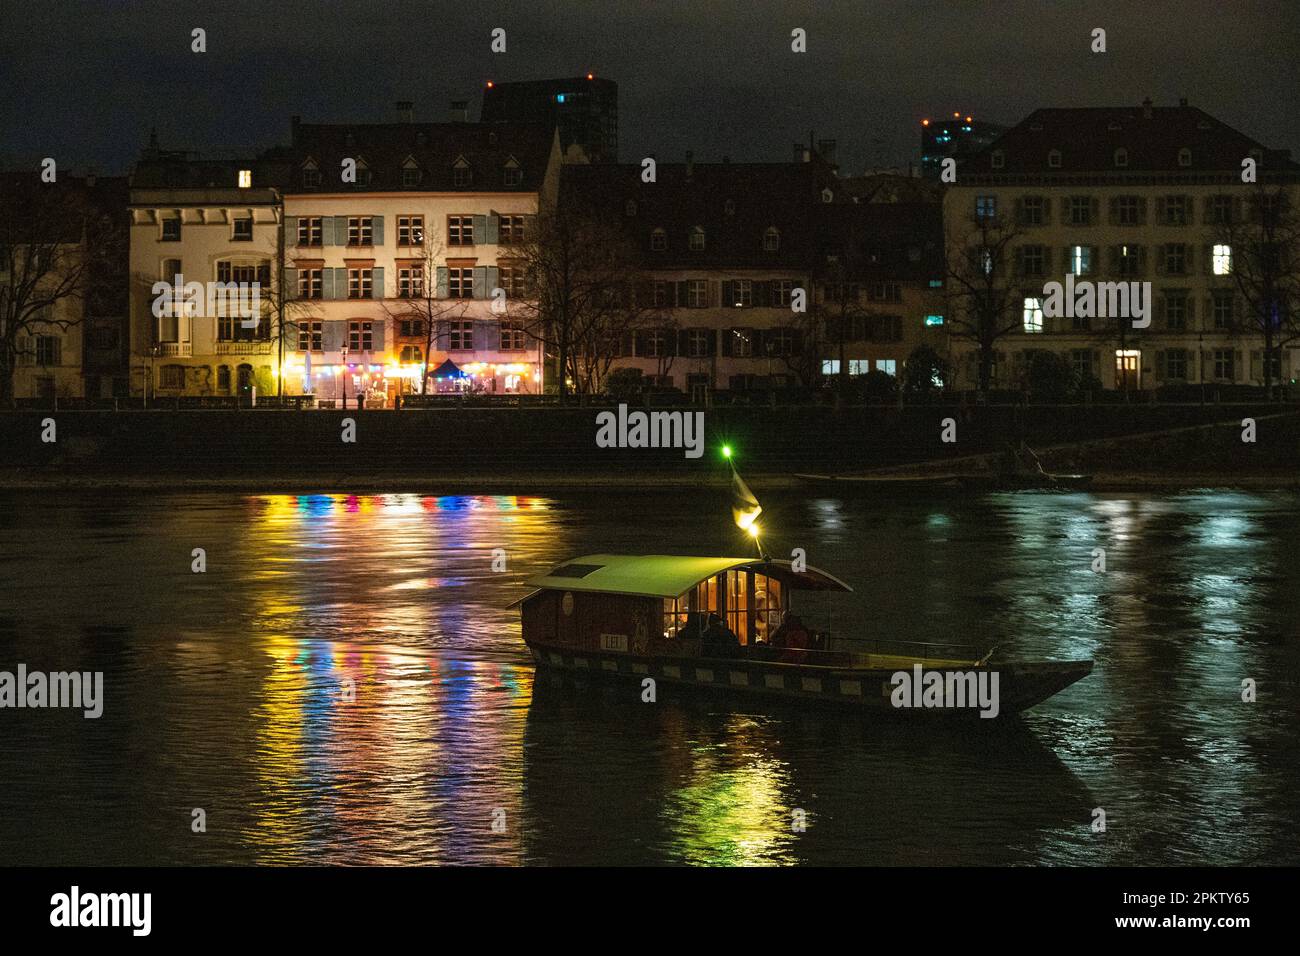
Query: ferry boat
[730, 623]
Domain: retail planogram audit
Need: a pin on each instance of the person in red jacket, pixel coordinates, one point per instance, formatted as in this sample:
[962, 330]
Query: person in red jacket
[793, 640]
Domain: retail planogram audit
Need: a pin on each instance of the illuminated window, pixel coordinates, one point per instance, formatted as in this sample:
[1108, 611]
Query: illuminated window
[934, 320]
[986, 207]
[245, 179]
[1081, 260]
[888, 366]
[830, 366]
[1222, 260]
[1033, 315]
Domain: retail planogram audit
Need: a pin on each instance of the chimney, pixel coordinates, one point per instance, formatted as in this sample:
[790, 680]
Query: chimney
[690, 164]
[1146, 108]
[1182, 101]
[826, 149]
[92, 177]
[798, 153]
[460, 111]
[405, 110]
[294, 123]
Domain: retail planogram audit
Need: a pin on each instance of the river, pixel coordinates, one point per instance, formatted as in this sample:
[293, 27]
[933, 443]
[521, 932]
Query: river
[345, 683]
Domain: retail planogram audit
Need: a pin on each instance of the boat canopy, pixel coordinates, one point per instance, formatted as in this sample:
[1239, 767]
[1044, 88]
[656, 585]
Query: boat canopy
[668, 575]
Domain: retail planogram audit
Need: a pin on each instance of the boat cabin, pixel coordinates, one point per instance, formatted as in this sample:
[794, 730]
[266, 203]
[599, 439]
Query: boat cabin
[656, 604]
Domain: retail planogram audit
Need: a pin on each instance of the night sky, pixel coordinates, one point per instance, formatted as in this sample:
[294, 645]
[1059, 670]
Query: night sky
[84, 82]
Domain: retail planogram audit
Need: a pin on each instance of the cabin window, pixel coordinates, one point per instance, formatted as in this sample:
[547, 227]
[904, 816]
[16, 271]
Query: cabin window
[750, 603]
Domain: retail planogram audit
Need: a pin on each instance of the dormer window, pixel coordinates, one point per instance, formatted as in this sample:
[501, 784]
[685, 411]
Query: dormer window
[364, 174]
[729, 207]
[1113, 126]
[998, 159]
[1035, 127]
[411, 173]
[659, 241]
[513, 174]
[1054, 159]
[460, 172]
[1184, 157]
[771, 239]
[697, 239]
[310, 173]
[827, 195]
[629, 208]
[245, 179]
[1121, 158]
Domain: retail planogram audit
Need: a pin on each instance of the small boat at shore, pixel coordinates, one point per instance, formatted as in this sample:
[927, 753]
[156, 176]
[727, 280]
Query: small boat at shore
[644, 616]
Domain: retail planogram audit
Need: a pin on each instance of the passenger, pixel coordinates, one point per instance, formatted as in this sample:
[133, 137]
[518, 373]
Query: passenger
[720, 640]
[793, 639]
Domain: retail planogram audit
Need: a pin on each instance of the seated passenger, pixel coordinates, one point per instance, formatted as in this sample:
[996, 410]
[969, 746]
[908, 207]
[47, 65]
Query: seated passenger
[720, 640]
[793, 639]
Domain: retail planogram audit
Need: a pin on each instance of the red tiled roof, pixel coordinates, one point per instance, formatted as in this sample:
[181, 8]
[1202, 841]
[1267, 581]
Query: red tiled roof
[1088, 137]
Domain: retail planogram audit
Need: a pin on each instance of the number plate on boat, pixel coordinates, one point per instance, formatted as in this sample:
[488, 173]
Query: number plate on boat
[613, 642]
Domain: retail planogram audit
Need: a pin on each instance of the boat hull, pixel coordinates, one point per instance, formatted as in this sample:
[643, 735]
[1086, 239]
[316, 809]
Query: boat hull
[1019, 685]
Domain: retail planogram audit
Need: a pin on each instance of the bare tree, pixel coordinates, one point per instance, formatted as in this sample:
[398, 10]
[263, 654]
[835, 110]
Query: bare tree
[417, 295]
[588, 292]
[1263, 260]
[54, 242]
[983, 305]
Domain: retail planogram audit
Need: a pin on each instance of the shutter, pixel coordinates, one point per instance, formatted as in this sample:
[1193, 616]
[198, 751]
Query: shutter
[493, 279]
[1142, 260]
[1112, 215]
[711, 347]
[727, 336]
[683, 344]
[680, 294]
[1094, 211]
[1160, 210]
[1065, 209]
[1206, 205]
[333, 335]
[290, 230]
[1142, 210]
[762, 292]
[1160, 260]
[440, 287]
[480, 229]
[493, 234]
[290, 284]
[728, 293]
[341, 230]
[1190, 307]
[1256, 365]
[327, 231]
[1237, 364]
[1047, 211]
[377, 230]
[327, 283]
[377, 283]
[1189, 262]
[377, 334]
[1047, 261]
[796, 341]
[530, 228]
[1096, 364]
[1020, 260]
[758, 347]
[638, 343]
[480, 281]
[1114, 259]
[1161, 311]
[1020, 210]
[1160, 364]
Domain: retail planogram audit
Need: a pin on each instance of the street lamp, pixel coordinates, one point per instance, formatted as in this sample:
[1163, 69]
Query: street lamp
[345, 377]
[153, 356]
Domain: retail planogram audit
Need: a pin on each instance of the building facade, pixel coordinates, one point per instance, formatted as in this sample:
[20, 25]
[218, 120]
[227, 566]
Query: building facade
[1121, 195]
[399, 239]
[198, 226]
[953, 138]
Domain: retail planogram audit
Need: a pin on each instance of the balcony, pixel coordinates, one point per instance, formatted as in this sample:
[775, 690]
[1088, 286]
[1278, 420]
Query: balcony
[244, 348]
[175, 349]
